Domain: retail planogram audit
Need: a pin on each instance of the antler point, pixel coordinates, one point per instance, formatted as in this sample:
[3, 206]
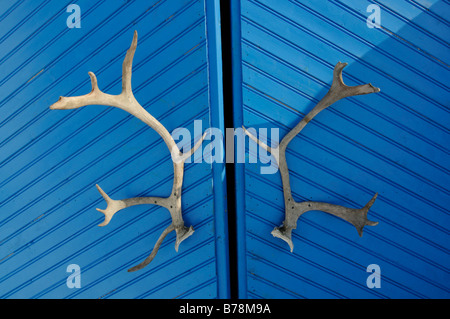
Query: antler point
[135, 38]
[103, 193]
[371, 223]
[276, 232]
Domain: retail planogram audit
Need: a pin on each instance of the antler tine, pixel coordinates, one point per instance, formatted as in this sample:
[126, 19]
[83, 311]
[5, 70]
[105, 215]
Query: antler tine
[340, 90]
[272, 150]
[197, 145]
[127, 66]
[357, 217]
[155, 249]
[94, 82]
[337, 91]
[125, 100]
[73, 102]
[114, 206]
[179, 157]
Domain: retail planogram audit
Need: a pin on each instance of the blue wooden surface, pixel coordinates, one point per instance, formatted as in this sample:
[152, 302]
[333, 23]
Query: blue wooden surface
[50, 161]
[395, 143]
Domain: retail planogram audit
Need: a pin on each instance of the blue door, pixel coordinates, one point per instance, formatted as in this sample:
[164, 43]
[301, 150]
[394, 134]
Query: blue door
[51, 160]
[395, 142]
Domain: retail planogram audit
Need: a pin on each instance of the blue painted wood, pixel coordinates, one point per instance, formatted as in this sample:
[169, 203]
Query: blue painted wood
[50, 161]
[395, 142]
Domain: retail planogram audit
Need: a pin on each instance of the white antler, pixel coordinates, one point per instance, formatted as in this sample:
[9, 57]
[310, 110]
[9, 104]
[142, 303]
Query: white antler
[293, 209]
[127, 102]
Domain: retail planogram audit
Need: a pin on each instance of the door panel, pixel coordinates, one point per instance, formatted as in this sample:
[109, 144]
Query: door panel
[394, 142]
[51, 160]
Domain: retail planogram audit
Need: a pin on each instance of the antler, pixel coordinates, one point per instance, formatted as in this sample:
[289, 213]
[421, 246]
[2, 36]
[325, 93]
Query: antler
[127, 102]
[293, 209]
